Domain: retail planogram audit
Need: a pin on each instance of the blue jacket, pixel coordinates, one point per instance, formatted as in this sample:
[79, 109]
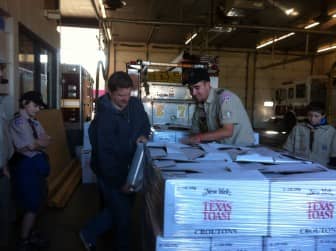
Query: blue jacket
[113, 134]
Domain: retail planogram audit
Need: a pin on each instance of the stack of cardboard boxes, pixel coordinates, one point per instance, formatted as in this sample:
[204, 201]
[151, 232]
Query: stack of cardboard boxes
[229, 206]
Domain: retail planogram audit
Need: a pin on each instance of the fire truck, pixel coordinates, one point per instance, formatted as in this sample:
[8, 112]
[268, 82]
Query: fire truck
[298, 94]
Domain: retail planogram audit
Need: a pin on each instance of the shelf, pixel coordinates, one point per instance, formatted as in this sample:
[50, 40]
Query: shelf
[165, 84]
[162, 100]
[4, 89]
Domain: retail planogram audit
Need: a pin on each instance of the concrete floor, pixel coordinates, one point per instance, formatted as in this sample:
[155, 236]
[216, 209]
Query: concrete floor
[61, 226]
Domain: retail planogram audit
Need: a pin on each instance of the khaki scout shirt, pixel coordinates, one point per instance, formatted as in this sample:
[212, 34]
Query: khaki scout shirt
[6, 147]
[22, 132]
[323, 147]
[224, 107]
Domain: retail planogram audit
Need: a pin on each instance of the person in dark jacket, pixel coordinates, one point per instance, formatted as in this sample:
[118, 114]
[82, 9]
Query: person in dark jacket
[289, 119]
[120, 123]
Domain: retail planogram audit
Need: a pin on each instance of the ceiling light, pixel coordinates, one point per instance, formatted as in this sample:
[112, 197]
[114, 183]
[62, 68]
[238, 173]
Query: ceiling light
[275, 40]
[102, 8]
[326, 48]
[311, 25]
[222, 29]
[287, 11]
[153, 70]
[291, 12]
[109, 34]
[268, 103]
[191, 38]
[270, 132]
[233, 12]
[334, 16]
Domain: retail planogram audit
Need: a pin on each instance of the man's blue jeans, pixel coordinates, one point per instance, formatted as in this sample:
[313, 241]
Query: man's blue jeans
[116, 213]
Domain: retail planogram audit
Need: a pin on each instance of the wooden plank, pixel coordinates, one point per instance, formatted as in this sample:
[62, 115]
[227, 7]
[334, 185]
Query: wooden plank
[62, 196]
[58, 150]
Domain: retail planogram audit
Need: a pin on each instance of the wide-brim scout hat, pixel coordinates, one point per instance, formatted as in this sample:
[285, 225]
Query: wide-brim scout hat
[195, 75]
[33, 96]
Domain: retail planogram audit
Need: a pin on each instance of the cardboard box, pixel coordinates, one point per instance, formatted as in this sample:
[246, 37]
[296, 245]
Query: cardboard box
[289, 244]
[237, 244]
[182, 244]
[303, 204]
[215, 203]
[86, 140]
[88, 175]
[170, 136]
[326, 243]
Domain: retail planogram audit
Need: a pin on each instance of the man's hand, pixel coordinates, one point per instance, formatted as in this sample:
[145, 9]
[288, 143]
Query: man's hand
[6, 172]
[126, 188]
[142, 139]
[191, 140]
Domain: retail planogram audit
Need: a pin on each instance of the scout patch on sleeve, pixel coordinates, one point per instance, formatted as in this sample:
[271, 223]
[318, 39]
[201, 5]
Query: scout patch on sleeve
[225, 97]
[18, 121]
[227, 115]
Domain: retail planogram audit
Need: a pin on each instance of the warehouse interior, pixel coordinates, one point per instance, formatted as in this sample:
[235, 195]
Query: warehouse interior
[262, 50]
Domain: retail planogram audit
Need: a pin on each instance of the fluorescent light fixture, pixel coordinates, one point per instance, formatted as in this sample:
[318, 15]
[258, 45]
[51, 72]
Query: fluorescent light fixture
[270, 132]
[109, 34]
[284, 9]
[233, 12]
[311, 25]
[326, 48]
[191, 38]
[102, 8]
[153, 70]
[268, 103]
[222, 29]
[275, 40]
[291, 12]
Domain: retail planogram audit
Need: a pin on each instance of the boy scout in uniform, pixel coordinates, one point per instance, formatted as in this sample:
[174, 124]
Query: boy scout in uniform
[315, 139]
[219, 114]
[29, 167]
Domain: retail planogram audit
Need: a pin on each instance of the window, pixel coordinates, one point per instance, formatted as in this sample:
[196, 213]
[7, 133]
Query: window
[37, 66]
[291, 93]
[300, 90]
